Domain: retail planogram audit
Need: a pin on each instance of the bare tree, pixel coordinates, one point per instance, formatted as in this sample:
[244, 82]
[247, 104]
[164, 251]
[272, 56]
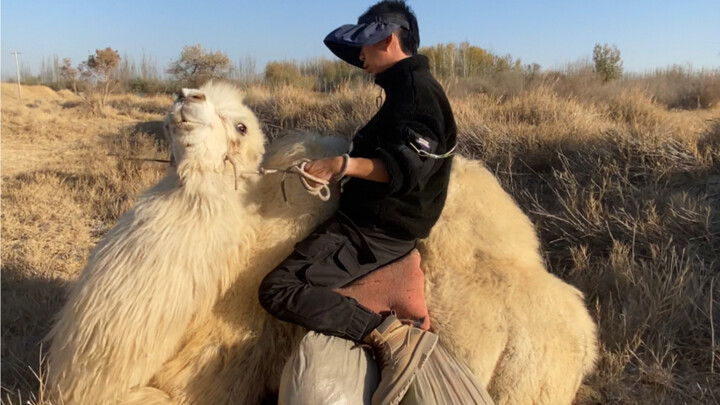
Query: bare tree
[98, 74]
[68, 74]
[56, 68]
[45, 72]
[126, 70]
[245, 70]
[49, 71]
[148, 67]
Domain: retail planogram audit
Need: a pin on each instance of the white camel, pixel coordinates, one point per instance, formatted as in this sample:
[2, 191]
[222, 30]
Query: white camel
[145, 281]
[166, 310]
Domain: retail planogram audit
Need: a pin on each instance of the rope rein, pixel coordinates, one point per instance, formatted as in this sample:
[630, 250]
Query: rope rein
[321, 189]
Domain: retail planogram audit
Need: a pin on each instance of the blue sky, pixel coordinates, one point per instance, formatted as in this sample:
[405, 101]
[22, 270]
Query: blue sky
[553, 33]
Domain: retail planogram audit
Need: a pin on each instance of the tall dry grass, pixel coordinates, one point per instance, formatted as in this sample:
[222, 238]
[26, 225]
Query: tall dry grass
[625, 195]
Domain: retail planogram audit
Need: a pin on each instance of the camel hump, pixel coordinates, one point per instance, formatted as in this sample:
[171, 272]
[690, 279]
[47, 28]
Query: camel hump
[398, 286]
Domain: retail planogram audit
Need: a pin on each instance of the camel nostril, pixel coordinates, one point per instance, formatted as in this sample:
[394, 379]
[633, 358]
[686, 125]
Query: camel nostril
[197, 97]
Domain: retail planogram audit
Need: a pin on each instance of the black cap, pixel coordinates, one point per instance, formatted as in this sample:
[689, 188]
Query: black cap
[345, 42]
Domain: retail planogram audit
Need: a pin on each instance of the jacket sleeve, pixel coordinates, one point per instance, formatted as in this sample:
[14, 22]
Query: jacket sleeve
[408, 168]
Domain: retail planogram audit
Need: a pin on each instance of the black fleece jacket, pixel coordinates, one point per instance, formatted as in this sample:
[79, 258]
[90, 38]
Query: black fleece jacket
[416, 116]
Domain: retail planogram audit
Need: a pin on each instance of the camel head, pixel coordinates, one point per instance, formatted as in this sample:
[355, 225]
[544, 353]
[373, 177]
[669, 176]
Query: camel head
[209, 127]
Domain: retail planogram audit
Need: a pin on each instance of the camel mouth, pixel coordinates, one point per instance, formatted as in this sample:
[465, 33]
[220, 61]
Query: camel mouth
[187, 125]
[186, 116]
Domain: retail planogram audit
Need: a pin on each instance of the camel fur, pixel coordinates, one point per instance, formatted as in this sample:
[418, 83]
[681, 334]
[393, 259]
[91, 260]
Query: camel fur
[145, 280]
[166, 310]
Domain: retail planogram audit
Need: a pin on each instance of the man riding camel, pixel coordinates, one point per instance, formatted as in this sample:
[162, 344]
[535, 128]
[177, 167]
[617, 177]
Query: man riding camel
[396, 179]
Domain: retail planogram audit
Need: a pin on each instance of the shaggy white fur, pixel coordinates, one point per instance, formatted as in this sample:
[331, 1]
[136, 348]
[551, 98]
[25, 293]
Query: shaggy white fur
[145, 280]
[145, 297]
[524, 332]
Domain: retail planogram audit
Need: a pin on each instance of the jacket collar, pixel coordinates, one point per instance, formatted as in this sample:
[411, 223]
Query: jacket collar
[400, 72]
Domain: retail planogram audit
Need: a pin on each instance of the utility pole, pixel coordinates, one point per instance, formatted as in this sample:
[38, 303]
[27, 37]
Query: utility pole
[17, 70]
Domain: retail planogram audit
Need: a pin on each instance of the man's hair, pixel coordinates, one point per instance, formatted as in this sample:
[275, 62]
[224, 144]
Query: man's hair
[409, 38]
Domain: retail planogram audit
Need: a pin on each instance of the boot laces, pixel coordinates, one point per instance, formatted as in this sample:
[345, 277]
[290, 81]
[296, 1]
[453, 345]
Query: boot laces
[414, 322]
[379, 349]
[382, 353]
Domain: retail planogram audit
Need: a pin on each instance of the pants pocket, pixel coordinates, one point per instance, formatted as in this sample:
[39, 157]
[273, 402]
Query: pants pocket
[346, 258]
[317, 246]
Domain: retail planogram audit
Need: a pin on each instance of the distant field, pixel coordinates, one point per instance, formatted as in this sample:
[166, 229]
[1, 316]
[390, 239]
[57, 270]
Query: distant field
[625, 195]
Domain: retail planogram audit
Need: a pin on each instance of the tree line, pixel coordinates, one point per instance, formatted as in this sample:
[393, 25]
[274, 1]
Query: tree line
[473, 67]
[462, 67]
[195, 65]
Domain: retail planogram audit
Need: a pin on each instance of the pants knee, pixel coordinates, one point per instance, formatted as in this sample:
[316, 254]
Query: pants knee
[265, 293]
[272, 289]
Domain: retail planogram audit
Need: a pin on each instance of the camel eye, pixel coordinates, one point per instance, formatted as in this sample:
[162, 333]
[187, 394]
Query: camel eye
[241, 128]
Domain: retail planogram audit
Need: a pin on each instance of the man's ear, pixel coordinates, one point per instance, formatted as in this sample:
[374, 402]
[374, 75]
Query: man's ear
[387, 42]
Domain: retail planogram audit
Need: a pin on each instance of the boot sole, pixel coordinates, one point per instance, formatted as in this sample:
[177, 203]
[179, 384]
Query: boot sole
[422, 352]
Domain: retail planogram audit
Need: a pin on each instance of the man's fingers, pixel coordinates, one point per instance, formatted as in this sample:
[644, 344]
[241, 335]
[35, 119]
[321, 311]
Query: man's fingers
[319, 169]
[310, 166]
[316, 168]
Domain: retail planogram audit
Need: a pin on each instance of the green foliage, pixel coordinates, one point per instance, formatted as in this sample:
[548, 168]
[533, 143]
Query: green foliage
[196, 66]
[147, 85]
[31, 80]
[608, 64]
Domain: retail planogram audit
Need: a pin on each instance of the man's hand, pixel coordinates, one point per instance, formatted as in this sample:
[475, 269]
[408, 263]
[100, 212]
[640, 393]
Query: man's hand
[368, 169]
[325, 169]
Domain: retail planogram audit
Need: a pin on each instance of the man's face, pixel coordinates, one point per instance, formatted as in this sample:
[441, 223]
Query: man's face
[375, 57]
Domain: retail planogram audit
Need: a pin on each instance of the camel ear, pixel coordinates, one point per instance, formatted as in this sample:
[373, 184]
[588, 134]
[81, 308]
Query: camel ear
[235, 139]
[235, 148]
[247, 149]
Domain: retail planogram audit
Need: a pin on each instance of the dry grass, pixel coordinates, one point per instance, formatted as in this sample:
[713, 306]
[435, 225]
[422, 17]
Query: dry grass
[67, 176]
[625, 195]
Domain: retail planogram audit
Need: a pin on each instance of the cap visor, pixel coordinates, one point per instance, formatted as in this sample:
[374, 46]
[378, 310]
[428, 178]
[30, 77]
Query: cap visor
[345, 42]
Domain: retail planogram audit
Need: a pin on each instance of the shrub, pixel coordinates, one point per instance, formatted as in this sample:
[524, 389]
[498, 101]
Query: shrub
[681, 87]
[148, 86]
[608, 64]
[196, 66]
[287, 74]
[98, 78]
